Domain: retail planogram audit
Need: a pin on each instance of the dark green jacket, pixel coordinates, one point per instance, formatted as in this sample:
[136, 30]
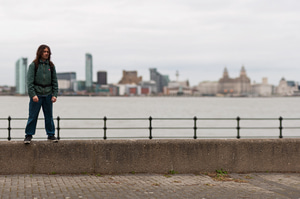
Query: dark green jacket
[44, 82]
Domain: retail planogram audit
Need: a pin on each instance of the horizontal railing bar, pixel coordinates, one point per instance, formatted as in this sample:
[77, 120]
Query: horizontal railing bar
[79, 118]
[197, 137]
[127, 118]
[216, 127]
[127, 128]
[101, 118]
[24, 129]
[24, 118]
[172, 118]
[197, 118]
[269, 127]
[81, 128]
[258, 127]
[172, 128]
[258, 118]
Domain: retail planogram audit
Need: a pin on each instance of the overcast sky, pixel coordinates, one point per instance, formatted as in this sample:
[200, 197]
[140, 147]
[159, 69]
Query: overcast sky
[198, 38]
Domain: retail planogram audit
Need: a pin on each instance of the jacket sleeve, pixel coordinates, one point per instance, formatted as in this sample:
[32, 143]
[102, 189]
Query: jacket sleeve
[54, 82]
[30, 80]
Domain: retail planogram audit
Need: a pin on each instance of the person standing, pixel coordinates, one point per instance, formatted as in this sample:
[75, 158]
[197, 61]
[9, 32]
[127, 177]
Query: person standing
[42, 90]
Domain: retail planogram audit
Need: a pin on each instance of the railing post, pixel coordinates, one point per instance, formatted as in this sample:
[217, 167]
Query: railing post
[195, 127]
[280, 127]
[9, 128]
[150, 127]
[238, 127]
[104, 128]
[58, 127]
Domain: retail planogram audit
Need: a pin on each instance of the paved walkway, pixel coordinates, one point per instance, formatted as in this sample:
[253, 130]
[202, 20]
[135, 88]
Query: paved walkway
[254, 185]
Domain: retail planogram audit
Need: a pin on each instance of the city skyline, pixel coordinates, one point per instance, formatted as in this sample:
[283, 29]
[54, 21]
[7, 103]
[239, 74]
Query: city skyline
[197, 38]
[90, 72]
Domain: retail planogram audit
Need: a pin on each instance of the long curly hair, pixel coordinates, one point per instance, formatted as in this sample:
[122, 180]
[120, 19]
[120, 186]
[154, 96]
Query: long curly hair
[39, 54]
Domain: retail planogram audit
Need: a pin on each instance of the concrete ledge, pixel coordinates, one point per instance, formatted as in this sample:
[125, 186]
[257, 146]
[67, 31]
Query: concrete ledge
[150, 156]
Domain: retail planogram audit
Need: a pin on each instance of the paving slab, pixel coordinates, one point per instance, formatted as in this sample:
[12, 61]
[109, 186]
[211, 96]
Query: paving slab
[253, 185]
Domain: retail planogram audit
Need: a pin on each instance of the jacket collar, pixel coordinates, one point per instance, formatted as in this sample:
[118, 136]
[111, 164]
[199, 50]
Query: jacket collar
[44, 62]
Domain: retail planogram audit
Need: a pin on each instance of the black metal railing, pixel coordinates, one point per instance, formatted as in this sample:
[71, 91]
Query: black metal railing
[192, 130]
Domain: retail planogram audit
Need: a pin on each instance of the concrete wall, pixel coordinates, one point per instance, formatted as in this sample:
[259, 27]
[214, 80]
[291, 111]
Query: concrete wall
[150, 156]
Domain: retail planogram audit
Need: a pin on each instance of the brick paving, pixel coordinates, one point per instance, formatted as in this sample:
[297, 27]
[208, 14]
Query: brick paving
[253, 185]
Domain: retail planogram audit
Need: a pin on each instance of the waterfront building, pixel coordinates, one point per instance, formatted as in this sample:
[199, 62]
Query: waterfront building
[88, 71]
[127, 89]
[178, 88]
[21, 76]
[4, 90]
[130, 77]
[240, 86]
[208, 88]
[102, 78]
[287, 88]
[107, 90]
[264, 89]
[161, 80]
[103, 90]
[81, 85]
[132, 90]
[67, 81]
[113, 90]
[148, 87]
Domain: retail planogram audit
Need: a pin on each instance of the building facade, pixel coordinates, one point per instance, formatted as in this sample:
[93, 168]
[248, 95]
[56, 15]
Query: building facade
[88, 71]
[178, 88]
[81, 85]
[21, 76]
[67, 81]
[130, 77]
[149, 86]
[262, 90]
[240, 86]
[161, 80]
[287, 88]
[208, 88]
[102, 78]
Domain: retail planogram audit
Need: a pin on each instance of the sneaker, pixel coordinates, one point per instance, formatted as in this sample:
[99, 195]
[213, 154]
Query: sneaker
[52, 138]
[27, 139]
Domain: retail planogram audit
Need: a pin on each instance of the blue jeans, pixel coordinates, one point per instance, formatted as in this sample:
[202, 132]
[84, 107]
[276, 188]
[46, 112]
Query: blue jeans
[34, 109]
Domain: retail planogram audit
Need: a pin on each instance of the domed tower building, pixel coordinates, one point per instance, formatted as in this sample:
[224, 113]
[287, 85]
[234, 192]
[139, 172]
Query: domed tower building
[240, 86]
[243, 83]
[226, 84]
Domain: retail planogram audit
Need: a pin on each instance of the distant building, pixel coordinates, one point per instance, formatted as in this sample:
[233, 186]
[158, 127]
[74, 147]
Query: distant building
[67, 81]
[114, 90]
[88, 71]
[148, 87]
[7, 90]
[161, 80]
[264, 89]
[178, 88]
[102, 90]
[102, 78]
[240, 86]
[287, 88]
[208, 88]
[130, 77]
[81, 85]
[21, 76]
[107, 90]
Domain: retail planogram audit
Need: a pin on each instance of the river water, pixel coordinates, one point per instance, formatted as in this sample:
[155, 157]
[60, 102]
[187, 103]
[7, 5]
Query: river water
[159, 107]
